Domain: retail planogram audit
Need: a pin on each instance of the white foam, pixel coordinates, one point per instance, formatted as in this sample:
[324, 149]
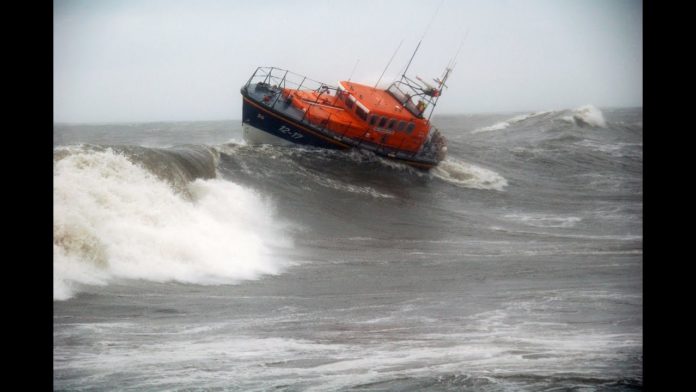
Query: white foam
[342, 186]
[494, 343]
[541, 220]
[494, 127]
[468, 175]
[614, 149]
[234, 140]
[114, 219]
[587, 115]
[508, 122]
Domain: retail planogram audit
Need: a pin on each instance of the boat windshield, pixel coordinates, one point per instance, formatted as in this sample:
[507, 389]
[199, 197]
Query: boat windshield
[404, 99]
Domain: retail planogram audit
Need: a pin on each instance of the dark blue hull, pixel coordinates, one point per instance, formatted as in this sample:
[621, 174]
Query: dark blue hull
[284, 127]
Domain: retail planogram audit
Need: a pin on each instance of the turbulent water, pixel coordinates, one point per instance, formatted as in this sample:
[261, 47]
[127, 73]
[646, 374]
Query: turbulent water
[186, 260]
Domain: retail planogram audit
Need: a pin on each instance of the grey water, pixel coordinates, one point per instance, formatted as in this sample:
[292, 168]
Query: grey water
[185, 259]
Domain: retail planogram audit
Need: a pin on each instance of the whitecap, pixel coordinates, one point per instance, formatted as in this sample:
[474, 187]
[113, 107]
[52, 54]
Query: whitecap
[468, 175]
[114, 219]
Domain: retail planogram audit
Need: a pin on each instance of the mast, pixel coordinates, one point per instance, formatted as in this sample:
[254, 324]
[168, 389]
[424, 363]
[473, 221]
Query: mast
[412, 56]
[448, 70]
[403, 74]
[353, 71]
[439, 87]
[390, 60]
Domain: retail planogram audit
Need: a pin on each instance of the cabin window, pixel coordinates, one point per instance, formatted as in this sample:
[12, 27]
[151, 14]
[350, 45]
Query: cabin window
[382, 122]
[409, 128]
[373, 119]
[401, 126]
[361, 113]
[391, 124]
[349, 102]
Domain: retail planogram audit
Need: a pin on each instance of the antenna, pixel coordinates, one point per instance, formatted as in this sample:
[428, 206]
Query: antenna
[390, 60]
[412, 56]
[433, 19]
[452, 62]
[351, 72]
[421, 40]
[448, 70]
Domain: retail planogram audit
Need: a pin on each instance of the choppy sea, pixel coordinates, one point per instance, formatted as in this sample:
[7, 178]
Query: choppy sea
[184, 259]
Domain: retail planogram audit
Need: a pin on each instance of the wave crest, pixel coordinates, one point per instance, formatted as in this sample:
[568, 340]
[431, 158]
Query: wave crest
[511, 121]
[468, 175]
[115, 219]
[583, 116]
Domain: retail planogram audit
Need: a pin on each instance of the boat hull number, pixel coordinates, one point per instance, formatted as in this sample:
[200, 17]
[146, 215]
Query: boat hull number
[287, 131]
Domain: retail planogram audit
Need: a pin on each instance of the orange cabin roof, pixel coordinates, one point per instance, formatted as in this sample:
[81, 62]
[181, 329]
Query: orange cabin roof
[378, 101]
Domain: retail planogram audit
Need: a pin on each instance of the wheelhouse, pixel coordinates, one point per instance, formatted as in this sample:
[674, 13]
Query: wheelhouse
[389, 119]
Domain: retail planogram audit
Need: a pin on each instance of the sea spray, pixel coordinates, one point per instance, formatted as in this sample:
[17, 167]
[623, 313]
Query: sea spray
[587, 115]
[114, 219]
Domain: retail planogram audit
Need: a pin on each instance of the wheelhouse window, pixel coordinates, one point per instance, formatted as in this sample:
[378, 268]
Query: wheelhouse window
[403, 98]
[397, 93]
[391, 124]
[373, 119]
[382, 122]
[401, 126]
[361, 113]
[348, 101]
[410, 127]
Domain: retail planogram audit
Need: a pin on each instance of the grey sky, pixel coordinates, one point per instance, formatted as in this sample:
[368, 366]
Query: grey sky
[186, 60]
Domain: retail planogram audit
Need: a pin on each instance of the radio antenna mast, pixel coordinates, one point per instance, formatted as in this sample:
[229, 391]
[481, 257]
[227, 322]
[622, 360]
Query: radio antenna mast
[351, 72]
[421, 40]
[448, 70]
[452, 62]
[390, 60]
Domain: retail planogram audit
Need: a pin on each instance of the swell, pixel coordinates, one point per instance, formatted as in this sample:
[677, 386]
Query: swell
[587, 116]
[210, 214]
[119, 206]
[352, 172]
[563, 149]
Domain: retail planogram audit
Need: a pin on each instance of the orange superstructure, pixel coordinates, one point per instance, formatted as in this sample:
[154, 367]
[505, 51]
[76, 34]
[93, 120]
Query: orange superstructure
[359, 111]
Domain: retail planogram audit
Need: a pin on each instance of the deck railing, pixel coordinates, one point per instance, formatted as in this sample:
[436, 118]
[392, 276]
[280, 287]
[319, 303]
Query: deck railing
[283, 78]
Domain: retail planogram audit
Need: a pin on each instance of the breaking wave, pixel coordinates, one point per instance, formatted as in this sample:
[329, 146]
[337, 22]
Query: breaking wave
[113, 218]
[587, 115]
[511, 121]
[583, 116]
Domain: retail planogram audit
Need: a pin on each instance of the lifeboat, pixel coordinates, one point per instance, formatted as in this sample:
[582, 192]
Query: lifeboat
[284, 108]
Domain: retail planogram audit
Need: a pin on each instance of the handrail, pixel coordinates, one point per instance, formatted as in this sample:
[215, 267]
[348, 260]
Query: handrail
[270, 76]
